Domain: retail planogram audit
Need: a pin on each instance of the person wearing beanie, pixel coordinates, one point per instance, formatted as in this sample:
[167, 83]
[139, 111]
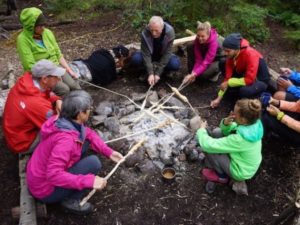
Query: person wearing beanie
[36, 42]
[245, 71]
[29, 103]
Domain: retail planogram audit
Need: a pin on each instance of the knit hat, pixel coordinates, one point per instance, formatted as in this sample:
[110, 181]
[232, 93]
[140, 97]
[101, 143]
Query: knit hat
[232, 41]
[41, 20]
[45, 68]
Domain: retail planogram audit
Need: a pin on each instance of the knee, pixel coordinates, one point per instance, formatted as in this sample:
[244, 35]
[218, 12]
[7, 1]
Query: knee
[174, 63]
[61, 89]
[279, 95]
[136, 58]
[95, 164]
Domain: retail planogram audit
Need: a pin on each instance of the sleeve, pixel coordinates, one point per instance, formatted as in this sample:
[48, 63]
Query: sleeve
[290, 106]
[165, 58]
[25, 53]
[236, 82]
[228, 144]
[202, 64]
[59, 159]
[294, 90]
[252, 68]
[227, 129]
[55, 45]
[97, 144]
[295, 76]
[228, 69]
[146, 56]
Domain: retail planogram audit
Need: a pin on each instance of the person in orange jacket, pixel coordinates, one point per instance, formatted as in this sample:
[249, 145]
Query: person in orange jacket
[29, 103]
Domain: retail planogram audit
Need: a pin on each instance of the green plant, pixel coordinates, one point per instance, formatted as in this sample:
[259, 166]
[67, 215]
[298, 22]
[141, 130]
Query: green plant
[293, 36]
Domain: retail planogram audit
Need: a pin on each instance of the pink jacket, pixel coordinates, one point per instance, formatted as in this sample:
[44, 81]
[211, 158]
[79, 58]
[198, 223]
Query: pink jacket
[205, 53]
[60, 149]
[287, 120]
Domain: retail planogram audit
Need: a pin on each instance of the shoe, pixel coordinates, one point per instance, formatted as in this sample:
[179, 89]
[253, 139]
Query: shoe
[211, 175]
[215, 78]
[72, 206]
[143, 78]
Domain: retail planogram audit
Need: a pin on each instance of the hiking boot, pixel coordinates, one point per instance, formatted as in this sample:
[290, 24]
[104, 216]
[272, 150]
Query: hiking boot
[72, 206]
[143, 78]
[211, 175]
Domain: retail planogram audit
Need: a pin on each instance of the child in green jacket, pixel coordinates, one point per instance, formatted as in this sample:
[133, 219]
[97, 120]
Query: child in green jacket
[237, 154]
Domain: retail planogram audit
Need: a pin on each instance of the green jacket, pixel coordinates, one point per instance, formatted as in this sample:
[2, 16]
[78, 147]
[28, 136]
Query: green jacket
[242, 143]
[29, 51]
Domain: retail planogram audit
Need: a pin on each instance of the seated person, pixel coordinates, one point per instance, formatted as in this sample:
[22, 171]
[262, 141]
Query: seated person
[29, 103]
[203, 54]
[283, 118]
[36, 42]
[236, 153]
[288, 85]
[246, 72]
[156, 50]
[102, 66]
[59, 169]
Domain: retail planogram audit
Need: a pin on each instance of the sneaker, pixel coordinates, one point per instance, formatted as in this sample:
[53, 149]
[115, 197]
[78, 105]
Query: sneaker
[72, 206]
[215, 78]
[211, 175]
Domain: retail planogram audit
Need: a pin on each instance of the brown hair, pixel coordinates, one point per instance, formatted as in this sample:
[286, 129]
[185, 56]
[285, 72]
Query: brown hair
[204, 26]
[250, 109]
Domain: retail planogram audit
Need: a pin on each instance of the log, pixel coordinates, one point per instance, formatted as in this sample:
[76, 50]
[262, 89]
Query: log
[41, 211]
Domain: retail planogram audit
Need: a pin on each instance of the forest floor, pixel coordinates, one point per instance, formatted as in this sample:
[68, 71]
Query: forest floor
[132, 197]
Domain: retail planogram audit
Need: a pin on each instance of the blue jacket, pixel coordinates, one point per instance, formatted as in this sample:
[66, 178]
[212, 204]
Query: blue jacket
[293, 89]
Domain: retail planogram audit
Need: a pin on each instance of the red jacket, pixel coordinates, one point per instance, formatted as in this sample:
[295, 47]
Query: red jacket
[246, 63]
[26, 109]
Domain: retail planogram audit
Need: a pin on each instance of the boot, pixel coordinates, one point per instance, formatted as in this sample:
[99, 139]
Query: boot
[72, 206]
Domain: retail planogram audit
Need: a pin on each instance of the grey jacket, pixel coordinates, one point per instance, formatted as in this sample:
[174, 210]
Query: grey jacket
[147, 50]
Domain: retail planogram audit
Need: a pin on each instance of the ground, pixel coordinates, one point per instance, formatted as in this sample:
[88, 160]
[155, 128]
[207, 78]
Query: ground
[149, 200]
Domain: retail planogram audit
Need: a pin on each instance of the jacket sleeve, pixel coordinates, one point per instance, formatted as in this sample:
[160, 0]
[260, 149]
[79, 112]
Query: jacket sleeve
[295, 76]
[201, 64]
[228, 69]
[164, 58]
[146, 56]
[294, 90]
[25, 52]
[227, 129]
[54, 44]
[228, 144]
[97, 144]
[57, 167]
[252, 68]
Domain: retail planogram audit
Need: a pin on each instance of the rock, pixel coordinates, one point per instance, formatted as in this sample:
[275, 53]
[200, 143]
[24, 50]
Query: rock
[162, 93]
[98, 119]
[138, 96]
[181, 114]
[105, 108]
[240, 188]
[175, 102]
[112, 124]
[166, 158]
[158, 164]
[130, 109]
[193, 156]
[147, 167]
[107, 136]
[152, 98]
[210, 187]
[135, 158]
[182, 157]
[186, 122]
[99, 132]
[195, 123]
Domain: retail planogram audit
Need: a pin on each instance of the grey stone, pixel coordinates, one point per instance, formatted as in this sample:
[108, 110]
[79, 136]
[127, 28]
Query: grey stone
[147, 167]
[159, 164]
[107, 136]
[138, 96]
[135, 158]
[240, 187]
[98, 119]
[210, 187]
[105, 108]
[166, 158]
[152, 98]
[175, 102]
[195, 123]
[186, 122]
[112, 124]
[130, 109]
[181, 114]
[193, 156]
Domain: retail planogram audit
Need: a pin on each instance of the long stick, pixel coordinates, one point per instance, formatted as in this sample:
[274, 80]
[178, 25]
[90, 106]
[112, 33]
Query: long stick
[130, 152]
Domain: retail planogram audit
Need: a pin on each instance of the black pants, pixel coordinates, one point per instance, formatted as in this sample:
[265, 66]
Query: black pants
[272, 124]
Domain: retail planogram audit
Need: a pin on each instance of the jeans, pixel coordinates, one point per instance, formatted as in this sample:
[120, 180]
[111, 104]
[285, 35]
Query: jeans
[173, 64]
[87, 165]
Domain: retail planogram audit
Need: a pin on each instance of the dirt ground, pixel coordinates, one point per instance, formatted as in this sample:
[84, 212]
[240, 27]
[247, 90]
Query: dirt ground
[133, 197]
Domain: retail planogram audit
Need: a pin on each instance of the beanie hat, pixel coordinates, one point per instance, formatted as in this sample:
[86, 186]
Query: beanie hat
[233, 41]
[41, 20]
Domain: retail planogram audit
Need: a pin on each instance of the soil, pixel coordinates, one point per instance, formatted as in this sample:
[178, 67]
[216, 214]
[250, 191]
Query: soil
[133, 197]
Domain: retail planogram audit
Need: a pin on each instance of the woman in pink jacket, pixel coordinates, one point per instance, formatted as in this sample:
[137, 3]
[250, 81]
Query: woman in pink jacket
[59, 170]
[283, 118]
[203, 54]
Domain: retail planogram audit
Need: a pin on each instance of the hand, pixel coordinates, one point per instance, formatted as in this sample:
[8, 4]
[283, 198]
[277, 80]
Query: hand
[99, 183]
[153, 79]
[284, 83]
[190, 78]
[273, 110]
[203, 124]
[274, 102]
[72, 74]
[285, 71]
[229, 119]
[58, 104]
[116, 156]
[224, 86]
[215, 103]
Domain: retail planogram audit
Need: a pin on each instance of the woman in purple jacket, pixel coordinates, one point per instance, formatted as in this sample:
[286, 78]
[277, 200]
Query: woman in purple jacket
[59, 169]
[203, 54]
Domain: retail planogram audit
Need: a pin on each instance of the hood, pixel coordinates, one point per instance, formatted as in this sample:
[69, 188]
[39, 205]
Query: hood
[28, 18]
[251, 133]
[244, 43]
[56, 125]
[25, 85]
[213, 35]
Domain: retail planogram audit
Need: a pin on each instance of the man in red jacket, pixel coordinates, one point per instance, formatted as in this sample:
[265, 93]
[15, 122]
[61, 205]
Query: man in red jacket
[29, 103]
[246, 72]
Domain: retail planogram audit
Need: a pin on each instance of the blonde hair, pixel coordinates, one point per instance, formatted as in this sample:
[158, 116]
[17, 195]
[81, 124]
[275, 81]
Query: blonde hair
[250, 109]
[203, 26]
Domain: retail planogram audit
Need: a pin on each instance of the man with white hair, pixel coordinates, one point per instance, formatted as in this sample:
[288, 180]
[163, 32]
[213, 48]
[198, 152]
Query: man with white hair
[29, 104]
[156, 50]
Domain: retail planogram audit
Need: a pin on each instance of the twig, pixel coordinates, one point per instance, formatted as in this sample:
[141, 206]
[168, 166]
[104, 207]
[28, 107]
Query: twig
[130, 152]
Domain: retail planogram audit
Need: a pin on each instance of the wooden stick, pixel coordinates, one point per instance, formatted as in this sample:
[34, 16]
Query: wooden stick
[130, 152]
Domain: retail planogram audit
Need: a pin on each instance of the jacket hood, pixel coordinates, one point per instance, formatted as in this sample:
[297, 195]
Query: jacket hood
[56, 125]
[28, 18]
[244, 43]
[25, 85]
[213, 35]
[251, 133]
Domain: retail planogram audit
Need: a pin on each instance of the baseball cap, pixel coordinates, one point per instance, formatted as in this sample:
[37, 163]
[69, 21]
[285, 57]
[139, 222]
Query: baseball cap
[45, 67]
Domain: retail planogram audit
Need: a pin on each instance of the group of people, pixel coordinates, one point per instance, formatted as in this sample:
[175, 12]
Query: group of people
[46, 111]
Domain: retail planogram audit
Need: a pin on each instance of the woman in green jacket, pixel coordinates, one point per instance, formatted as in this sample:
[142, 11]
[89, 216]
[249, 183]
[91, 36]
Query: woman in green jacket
[36, 42]
[237, 153]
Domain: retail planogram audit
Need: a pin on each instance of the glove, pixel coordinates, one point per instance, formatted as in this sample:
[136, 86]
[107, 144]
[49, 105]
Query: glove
[265, 98]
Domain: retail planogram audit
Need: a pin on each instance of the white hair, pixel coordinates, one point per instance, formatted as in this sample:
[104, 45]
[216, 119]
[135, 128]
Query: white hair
[156, 20]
